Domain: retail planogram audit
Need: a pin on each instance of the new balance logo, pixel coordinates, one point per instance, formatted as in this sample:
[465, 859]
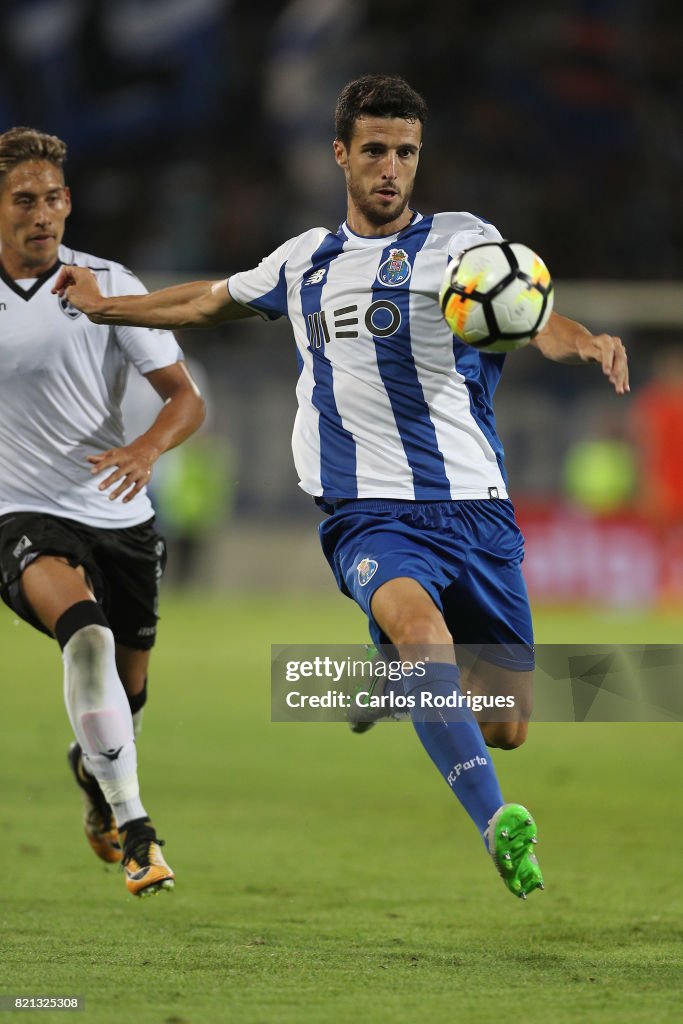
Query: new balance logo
[316, 277]
[24, 543]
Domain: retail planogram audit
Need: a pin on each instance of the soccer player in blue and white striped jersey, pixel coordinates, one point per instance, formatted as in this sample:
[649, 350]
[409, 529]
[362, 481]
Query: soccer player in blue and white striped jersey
[395, 439]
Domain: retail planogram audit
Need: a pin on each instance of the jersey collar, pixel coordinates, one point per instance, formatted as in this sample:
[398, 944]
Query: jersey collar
[28, 293]
[375, 240]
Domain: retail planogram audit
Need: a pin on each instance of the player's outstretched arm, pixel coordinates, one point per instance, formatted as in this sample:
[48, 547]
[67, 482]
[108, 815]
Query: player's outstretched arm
[198, 304]
[566, 341]
[182, 414]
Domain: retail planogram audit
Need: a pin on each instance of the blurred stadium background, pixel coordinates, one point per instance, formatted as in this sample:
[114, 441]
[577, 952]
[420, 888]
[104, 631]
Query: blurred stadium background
[321, 878]
[199, 138]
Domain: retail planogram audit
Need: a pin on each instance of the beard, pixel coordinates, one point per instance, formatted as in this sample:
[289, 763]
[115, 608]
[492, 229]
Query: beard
[378, 215]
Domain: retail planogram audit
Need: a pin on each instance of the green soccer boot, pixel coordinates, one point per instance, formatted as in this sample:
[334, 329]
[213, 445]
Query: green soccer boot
[510, 839]
[360, 717]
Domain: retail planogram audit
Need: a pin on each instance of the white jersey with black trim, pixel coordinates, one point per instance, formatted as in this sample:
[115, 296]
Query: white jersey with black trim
[391, 403]
[62, 378]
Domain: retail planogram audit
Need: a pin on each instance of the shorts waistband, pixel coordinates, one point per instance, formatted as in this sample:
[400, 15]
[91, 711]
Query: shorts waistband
[392, 504]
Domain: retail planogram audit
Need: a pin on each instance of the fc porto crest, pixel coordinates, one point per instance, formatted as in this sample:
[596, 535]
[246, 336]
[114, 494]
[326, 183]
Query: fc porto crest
[396, 268]
[366, 569]
[67, 309]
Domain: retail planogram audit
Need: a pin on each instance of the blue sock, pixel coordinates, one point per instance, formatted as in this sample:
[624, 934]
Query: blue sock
[454, 742]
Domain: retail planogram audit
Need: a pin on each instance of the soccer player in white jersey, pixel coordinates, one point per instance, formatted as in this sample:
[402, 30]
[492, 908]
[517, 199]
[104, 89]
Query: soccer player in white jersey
[79, 555]
[395, 438]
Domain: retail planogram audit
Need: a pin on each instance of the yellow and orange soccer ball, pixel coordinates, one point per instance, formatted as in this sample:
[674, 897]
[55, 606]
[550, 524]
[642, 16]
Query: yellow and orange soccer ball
[497, 296]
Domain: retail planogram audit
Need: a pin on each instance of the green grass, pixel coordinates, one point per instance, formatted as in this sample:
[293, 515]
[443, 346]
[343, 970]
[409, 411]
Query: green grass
[326, 878]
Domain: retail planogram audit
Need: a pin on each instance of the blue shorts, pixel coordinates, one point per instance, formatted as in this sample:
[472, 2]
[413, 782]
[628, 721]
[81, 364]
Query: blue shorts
[466, 554]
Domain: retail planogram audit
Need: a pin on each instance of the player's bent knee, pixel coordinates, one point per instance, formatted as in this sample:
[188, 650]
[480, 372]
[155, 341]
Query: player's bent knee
[87, 643]
[420, 631]
[504, 735]
[78, 617]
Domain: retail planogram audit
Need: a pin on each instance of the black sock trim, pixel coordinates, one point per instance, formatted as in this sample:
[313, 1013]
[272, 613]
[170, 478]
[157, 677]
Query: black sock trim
[138, 700]
[135, 823]
[83, 613]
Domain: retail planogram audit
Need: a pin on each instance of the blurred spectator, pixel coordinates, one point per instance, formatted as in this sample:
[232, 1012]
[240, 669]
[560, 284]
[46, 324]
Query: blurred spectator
[105, 74]
[311, 57]
[600, 470]
[195, 495]
[658, 433]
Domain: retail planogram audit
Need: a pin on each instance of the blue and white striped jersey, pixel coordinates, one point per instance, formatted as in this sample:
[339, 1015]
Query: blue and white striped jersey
[391, 404]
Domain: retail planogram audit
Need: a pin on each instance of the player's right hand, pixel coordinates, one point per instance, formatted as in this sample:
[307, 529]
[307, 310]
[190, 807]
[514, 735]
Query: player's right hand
[610, 353]
[78, 285]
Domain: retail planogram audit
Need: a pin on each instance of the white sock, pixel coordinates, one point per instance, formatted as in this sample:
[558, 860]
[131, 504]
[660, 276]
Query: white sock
[100, 717]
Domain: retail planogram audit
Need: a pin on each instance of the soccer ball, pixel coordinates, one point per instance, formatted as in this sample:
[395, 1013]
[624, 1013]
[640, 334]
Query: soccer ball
[496, 296]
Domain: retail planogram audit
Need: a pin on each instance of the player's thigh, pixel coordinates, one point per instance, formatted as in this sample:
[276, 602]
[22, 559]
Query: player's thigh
[46, 566]
[50, 586]
[390, 560]
[408, 615]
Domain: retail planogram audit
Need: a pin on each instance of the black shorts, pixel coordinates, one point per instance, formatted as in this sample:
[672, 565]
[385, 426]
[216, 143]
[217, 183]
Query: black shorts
[123, 567]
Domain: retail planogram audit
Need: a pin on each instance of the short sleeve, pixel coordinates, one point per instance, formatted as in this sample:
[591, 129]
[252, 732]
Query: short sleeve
[264, 289]
[146, 348]
[476, 234]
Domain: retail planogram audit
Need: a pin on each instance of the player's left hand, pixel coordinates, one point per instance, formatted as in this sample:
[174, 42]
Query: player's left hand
[133, 470]
[611, 354]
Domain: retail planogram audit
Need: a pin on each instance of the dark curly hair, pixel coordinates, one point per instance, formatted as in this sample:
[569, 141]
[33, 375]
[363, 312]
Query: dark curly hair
[376, 96]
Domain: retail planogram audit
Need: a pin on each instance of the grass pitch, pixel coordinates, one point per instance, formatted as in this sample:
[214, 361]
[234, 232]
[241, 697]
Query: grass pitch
[326, 878]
